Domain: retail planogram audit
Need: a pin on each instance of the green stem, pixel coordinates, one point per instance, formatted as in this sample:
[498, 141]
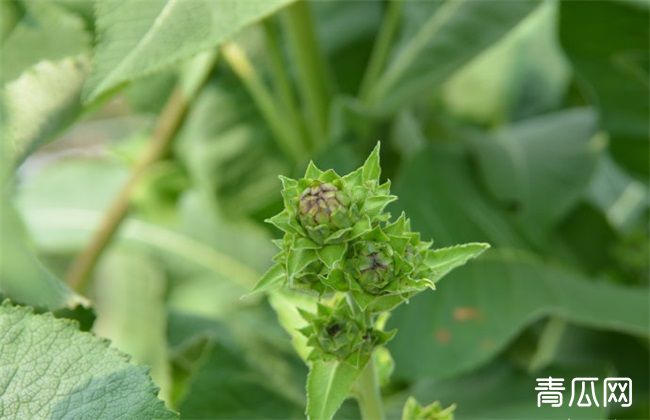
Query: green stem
[194, 76]
[312, 76]
[381, 48]
[284, 131]
[549, 341]
[368, 394]
[281, 78]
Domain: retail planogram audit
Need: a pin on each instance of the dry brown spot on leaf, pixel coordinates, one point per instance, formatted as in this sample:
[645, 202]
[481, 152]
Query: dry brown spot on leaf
[467, 313]
[443, 336]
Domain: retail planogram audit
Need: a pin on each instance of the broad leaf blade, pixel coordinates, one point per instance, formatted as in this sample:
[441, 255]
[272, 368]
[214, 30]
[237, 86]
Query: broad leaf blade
[501, 391]
[23, 278]
[607, 44]
[163, 33]
[542, 166]
[328, 385]
[41, 102]
[45, 32]
[235, 365]
[443, 260]
[482, 306]
[457, 32]
[524, 74]
[67, 372]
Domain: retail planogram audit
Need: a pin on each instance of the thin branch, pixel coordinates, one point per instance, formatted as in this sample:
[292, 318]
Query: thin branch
[161, 140]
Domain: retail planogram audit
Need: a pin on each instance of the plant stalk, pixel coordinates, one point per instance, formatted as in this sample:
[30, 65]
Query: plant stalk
[167, 125]
[311, 69]
[284, 131]
[548, 344]
[281, 80]
[381, 48]
[368, 394]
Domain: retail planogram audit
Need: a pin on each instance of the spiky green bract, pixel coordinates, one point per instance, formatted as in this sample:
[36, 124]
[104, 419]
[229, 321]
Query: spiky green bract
[327, 208]
[387, 266]
[323, 213]
[339, 241]
[434, 411]
[340, 333]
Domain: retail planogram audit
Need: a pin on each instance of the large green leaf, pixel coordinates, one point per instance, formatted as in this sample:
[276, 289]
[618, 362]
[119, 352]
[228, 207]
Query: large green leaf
[522, 75]
[540, 167]
[438, 192]
[607, 42]
[501, 391]
[67, 373]
[23, 278]
[45, 32]
[139, 38]
[480, 308]
[10, 14]
[346, 31]
[246, 368]
[328, 385]
[227, 386]
[128, 296]
[494, 298]
[449, 38]
[40, 103]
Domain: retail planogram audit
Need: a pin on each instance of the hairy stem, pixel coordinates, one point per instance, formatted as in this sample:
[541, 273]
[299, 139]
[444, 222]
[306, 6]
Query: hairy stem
[283, 129]
[381, 48]
[312, 74]
[166, 127]
[368, 394]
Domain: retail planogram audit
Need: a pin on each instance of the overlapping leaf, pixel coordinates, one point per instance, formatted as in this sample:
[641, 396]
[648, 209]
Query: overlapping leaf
[454, 34]
[479, 309]
[607, 41]
[525, 164]
[41, 102]
[164, 33]
[66, 372]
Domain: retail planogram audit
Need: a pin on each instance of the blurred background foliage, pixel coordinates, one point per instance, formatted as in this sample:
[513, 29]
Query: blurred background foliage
[519, 123]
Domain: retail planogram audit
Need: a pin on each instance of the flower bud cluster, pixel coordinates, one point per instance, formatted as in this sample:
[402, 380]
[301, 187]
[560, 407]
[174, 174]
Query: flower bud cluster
[337, 332]
[339, 241]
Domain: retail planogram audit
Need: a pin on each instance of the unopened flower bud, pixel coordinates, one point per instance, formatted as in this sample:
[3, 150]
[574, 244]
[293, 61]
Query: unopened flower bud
[322, 209]
[373, 262]
[339, 334]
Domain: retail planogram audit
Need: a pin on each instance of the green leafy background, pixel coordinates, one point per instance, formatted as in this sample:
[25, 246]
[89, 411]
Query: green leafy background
[521, 124]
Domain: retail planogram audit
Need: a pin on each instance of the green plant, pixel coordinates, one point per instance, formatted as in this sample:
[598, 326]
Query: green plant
[341, 246]
[141, 147]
